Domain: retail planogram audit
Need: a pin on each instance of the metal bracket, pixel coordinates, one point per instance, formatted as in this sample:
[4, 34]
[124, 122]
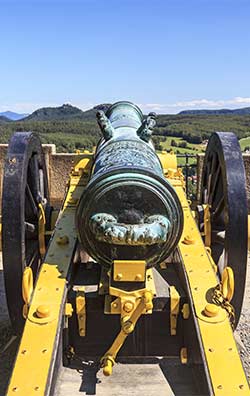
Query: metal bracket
[129, 270]
[128, 323]
[81, 311]
[207, 225]
[174, 309]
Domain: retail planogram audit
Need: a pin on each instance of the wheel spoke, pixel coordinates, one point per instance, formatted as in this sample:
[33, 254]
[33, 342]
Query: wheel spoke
[210, 176]
[219, 207]
[35, 176]
[215, 181]
[32, 205]
[31, 252]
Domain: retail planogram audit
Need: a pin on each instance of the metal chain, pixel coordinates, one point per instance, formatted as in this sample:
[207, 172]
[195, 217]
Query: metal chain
[220, 300]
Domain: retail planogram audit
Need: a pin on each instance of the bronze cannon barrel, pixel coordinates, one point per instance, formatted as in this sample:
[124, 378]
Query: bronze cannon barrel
[128, 210]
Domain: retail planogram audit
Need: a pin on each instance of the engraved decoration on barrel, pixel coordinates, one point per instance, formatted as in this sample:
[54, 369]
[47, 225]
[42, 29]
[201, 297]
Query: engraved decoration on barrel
[128, 210]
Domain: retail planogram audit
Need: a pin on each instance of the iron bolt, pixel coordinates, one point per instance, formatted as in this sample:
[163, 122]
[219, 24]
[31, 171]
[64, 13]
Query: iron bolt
[43, 311]
[211, 310]
[128, 306]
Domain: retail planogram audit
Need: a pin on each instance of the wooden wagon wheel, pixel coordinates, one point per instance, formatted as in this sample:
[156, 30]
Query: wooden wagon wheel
[223, 188]
[24, 202]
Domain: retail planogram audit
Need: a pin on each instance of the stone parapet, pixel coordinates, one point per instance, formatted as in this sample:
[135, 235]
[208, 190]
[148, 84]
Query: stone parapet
[59, 166]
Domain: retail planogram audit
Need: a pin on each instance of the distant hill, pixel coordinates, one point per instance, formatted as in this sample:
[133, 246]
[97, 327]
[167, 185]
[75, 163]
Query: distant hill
[13, 116]
[243, 111]
[4, 119]
[65, 112]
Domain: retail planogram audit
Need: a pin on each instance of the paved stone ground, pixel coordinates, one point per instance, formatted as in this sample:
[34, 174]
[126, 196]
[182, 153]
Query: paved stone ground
[9, 344]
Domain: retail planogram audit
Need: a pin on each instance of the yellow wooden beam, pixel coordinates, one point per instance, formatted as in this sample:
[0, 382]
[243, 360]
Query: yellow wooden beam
[222, 357]
[35, 357]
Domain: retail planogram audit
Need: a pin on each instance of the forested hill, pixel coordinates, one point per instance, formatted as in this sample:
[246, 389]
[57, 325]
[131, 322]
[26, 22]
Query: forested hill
[65, 112]
[68, 112]
[71, 128]
[4, 119]
[243, 111]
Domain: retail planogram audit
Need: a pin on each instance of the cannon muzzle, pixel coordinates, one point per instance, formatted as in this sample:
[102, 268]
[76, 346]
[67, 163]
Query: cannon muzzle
[128, 210]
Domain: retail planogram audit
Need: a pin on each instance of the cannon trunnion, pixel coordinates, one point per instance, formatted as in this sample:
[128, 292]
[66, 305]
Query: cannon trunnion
[125, 271]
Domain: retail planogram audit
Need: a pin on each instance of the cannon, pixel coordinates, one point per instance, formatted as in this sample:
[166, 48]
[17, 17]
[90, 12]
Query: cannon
[129, 271]
[129, 210]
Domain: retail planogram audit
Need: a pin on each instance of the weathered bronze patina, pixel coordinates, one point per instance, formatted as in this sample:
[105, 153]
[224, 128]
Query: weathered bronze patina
[128, 210]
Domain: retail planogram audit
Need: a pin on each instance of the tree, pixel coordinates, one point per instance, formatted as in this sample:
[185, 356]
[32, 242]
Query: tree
[174, 143]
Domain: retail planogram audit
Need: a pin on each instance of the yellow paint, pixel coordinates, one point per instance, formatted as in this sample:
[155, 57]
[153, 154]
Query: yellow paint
[211, 310]
[184, 355]
[129, 270]
[81, 311]
[207, 225]
[27, 284]
[68, 310]
[174, 309]
[127, 326]
[43, 311]
[168, 162]
[41, 230]
[222, 358]
[36, 351]
[185, 311]
[227, 283]
[188, 240]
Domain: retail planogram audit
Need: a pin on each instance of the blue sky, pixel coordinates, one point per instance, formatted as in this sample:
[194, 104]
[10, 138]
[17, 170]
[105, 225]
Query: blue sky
[163, 55]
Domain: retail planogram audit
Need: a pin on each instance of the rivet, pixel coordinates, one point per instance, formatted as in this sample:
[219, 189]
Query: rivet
[211, 310]
[44, 350]
[230, 349]
[119, 276]
[24, 351]
[188, 240]
[196, 288]
[128, 306]
[115, 305]
[15, 389]
[57, 289]
[43, 311]
[138, 277]
[37, 388]
[62, 240]
[219, 387]
[241, 386]
[211, 349]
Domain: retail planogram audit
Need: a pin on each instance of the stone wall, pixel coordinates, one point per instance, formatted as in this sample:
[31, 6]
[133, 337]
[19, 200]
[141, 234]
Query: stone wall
[59, 166]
